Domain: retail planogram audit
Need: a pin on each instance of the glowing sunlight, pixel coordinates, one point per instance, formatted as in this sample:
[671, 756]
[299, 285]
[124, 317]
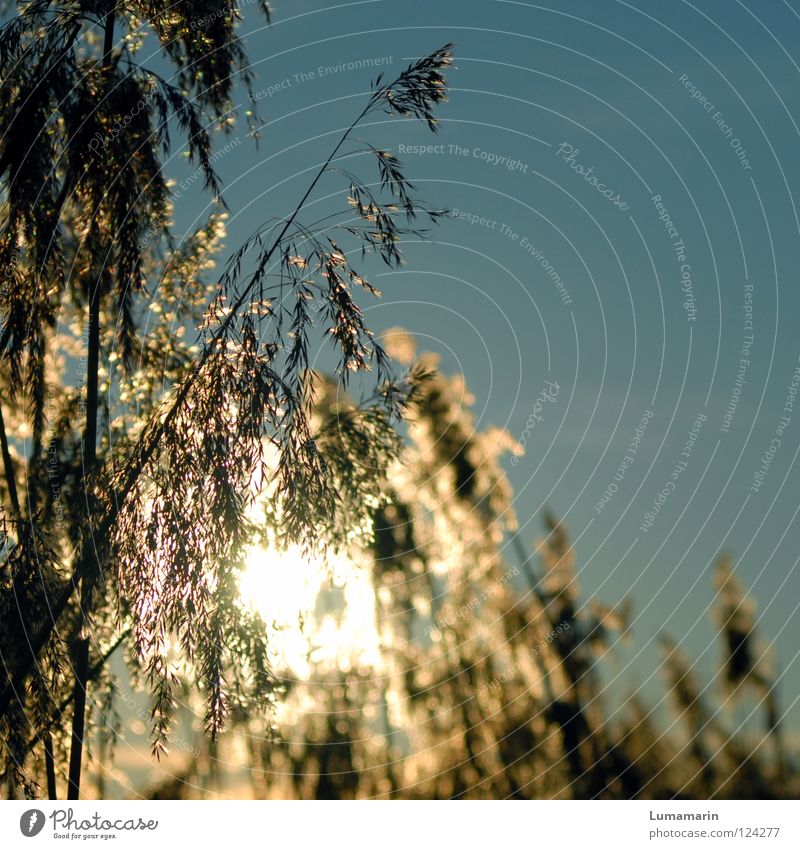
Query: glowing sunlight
[323, 611]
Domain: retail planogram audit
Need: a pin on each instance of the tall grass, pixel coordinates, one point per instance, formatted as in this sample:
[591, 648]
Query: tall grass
[489, 684]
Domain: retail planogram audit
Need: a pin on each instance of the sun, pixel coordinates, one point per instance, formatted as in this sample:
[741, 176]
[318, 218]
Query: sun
[321, 612]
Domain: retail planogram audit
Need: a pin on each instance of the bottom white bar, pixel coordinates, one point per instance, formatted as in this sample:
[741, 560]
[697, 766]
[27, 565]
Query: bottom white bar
[394, 825]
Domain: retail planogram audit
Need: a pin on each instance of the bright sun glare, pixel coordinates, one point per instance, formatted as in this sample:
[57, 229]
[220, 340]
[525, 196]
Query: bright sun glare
[323, 610]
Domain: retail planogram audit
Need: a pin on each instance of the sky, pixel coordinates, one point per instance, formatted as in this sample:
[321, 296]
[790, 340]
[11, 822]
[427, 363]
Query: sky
[623, 236]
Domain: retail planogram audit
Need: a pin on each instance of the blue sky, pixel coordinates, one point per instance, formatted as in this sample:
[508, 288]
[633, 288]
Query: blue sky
[694, 105]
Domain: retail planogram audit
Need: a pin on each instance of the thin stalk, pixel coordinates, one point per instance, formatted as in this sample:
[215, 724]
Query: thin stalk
[524, 558]
[87, 581]
[580, 720]
[50, 767]
[8, 468]
[95, 670]
[144, 451]
[89, 462]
